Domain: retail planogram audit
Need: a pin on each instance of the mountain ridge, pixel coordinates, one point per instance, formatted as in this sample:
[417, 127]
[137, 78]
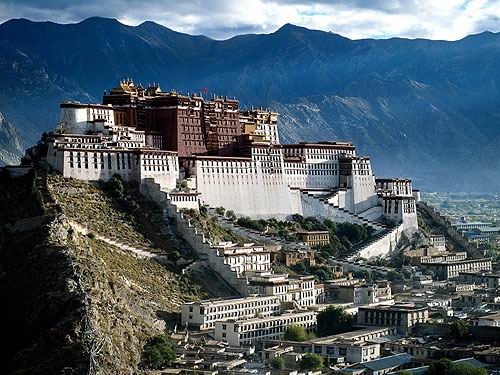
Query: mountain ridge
[439, 99]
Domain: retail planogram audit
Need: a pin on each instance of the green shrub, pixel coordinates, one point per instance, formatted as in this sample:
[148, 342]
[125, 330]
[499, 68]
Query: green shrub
[295, 332]
[220, 211]
[459, 329]
[278, 363]
[334, 320]
[116, 187]
[158, 352]
[230, 215]
[311, 361]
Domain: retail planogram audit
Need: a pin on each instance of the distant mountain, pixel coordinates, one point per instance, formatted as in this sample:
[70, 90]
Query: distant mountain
[429, 110]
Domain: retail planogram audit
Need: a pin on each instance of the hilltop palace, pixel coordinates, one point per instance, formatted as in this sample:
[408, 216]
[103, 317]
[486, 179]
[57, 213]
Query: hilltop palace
[226, 157]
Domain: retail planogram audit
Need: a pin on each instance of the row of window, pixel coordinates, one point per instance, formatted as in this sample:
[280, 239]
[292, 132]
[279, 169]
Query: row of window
[245, 327]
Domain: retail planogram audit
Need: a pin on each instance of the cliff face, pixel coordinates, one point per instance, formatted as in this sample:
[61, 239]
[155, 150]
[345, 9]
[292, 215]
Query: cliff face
[11, 147]
[75, 303]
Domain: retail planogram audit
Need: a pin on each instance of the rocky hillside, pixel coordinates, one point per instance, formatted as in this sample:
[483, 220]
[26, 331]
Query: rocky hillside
[73, 301]
[424, 109]
[11, 147]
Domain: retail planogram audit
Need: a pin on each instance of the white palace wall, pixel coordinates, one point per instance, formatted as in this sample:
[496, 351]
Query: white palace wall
[244, 186]
[101, 164]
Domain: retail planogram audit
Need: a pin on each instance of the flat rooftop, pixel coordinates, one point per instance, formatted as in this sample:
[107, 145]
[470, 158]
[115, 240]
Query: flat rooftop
[222, 301]
[395, 307]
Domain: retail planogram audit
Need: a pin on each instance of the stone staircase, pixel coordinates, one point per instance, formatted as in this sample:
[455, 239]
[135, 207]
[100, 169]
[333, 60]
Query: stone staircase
[380, 244]
[196, 240]
[350, 265]
[255, 235]
[42, 188]
[342, 213]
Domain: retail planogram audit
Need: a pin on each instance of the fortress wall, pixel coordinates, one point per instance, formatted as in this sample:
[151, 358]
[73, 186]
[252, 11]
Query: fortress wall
[372, 213]
[410, 223]
[218, 264]
[243, 186]
[163, 168]
[363, 185]
[312, 174]
[196, 239]
[383, 246]
[296, 201]
[90, 168]
[94, 165]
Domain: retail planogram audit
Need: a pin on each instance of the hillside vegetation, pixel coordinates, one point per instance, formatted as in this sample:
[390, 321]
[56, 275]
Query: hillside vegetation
[74, 301]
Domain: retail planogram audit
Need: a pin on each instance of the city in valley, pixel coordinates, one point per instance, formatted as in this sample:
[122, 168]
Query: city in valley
[277, 258]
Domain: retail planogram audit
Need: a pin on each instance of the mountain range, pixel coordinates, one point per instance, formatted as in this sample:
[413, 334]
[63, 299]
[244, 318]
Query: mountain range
[424, 109]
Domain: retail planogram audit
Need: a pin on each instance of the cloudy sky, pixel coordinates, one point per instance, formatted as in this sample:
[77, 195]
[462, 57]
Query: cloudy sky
[435, 19]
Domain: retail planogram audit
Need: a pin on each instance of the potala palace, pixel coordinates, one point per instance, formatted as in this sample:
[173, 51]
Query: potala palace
[198, 159]
[224, 156]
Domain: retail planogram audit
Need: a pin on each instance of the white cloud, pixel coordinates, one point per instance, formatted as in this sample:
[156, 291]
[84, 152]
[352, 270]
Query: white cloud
[435, 19]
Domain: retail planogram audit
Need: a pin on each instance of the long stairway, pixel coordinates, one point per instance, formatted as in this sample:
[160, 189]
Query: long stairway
[256, 235]
[380, 244]
[335, 211]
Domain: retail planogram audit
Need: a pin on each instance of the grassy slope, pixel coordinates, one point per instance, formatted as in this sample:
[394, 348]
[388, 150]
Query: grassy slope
[132, 298]
[49, 274]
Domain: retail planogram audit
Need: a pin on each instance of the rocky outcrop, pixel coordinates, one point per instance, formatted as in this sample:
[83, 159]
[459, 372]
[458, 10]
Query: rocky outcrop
[11, 148]
[77, 301]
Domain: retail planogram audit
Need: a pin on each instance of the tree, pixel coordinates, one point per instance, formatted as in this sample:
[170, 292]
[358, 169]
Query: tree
[295, 332]
[439, 367]
[220, 211]
[311, 361]
[115, 186]
[334, 320]
[444, 366]
[231, 215]
[459, 329]
[466, 369]
[158, 352]
[278, 363]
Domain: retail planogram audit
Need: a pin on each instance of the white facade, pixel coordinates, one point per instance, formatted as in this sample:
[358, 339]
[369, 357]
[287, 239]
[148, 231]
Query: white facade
[352, 351]
[438, 242]
[299, 290]
[204, 314]
[184, 199]
[250, 331]
[77, 118]
[274, 182]
[243, 259]
[98, 157]
[492, 320]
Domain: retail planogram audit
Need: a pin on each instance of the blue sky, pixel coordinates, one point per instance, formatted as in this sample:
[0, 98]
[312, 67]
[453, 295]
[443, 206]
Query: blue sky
[434, 19]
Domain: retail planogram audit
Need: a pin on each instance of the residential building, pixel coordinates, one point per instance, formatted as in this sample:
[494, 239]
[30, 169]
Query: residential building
[445, 270]
[249, 331]
[437, 241]
[204, 314]
[490, 279]
[491, 320]
[314, 238]
[401, 316]
[381, 366]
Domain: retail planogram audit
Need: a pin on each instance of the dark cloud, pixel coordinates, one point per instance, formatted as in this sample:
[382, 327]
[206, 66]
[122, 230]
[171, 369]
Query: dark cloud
[448, 19]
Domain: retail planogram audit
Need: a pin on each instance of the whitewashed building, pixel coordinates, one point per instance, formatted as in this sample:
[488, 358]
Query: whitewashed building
[250, 331]
[204, 314]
